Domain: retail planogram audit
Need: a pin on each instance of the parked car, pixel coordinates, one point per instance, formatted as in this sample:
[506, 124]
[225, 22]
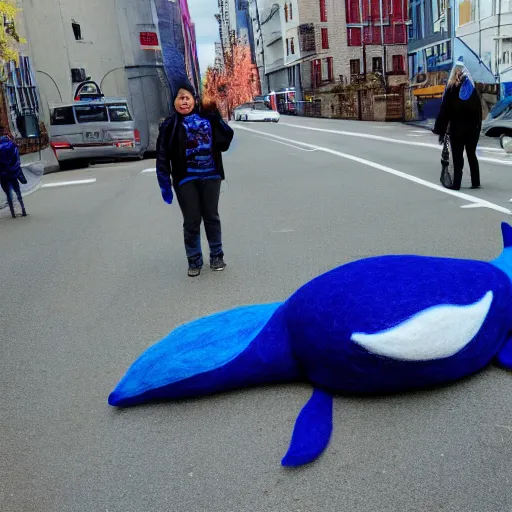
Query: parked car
[499, 120]
[257, 111]
[91, 130]
[241, 110]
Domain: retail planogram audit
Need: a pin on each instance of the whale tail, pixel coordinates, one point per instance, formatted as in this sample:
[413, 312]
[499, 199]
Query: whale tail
[246, 346]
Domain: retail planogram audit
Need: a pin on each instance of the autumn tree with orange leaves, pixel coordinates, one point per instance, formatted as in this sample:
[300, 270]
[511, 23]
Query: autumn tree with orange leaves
[235, 84]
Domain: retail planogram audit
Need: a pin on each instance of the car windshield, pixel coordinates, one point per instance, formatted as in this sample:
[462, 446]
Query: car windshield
[260, 106]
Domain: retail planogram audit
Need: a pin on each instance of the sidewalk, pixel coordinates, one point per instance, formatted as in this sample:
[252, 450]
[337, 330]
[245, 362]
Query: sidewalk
[428, 124]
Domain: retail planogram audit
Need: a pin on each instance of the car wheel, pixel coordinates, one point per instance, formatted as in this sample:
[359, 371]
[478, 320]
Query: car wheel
[237, 118]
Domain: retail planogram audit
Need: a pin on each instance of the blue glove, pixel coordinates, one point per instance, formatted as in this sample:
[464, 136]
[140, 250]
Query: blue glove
[167, 195]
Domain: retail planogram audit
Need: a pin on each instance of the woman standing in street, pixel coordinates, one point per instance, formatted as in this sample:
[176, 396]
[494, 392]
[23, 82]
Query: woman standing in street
[189, 159]
[461, 117]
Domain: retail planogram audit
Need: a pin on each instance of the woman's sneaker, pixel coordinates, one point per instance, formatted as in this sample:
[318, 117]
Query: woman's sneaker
[217, 263]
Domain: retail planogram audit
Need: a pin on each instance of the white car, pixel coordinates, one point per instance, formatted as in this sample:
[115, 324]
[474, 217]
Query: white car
[256, 112]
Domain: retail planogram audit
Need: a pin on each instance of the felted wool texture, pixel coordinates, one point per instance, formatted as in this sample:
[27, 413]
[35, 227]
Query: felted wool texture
[377, 325]
[312, 431]
[378, 294]
[243, 347]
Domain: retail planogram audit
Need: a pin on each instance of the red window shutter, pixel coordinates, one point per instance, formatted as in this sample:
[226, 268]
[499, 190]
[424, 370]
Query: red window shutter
[353, 11]
[398, 63]
[330, 68]
[325, 39]
[323, 11]
[286, 12]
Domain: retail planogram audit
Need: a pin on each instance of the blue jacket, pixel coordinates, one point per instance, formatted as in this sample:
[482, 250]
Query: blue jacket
[10, 164]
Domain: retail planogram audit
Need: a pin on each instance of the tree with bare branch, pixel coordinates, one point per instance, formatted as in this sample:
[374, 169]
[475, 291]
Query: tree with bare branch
[235, 84]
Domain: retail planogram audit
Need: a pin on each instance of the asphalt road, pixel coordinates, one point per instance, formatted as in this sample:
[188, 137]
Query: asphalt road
[97, 273]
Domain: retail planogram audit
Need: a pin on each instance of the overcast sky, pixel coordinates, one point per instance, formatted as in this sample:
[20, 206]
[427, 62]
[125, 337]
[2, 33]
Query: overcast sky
[207, 30]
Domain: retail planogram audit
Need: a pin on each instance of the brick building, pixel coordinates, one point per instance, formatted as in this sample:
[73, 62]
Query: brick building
[322, 42]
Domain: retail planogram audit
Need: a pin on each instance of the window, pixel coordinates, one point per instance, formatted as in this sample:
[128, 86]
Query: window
[330, 69]
[354, 36]
[292, 46]
[355, 67]
[291, 11]
[287, 46]
[325, 70]
[316, 73]
[91, 113]
[21, 88]
[291, 76]
[260, 106]
[325, 39]
[61, 116]
[398, 63]
[323, 11]
[77, 31]
[119, 113]
[377, 64]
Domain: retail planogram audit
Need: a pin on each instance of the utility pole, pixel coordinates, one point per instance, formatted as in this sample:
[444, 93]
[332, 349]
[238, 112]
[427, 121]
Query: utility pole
[382, 42]
[363, 41]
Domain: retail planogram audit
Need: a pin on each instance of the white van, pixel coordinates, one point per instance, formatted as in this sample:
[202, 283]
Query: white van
[97, 129]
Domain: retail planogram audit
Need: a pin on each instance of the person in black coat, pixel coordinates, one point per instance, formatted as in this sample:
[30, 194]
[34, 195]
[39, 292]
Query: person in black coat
[189, 159]
[461, 116]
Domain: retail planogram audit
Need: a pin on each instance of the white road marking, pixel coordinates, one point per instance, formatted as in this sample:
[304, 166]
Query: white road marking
[481, 202]
[473, 205]
[494, 150]
[151, 170]
[388, 139]
[68, 183]
[290, 145]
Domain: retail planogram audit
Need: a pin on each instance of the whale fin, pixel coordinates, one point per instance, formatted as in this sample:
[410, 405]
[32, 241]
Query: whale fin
[504, 357]
[435, 333]
[312, 430]
[506, 231]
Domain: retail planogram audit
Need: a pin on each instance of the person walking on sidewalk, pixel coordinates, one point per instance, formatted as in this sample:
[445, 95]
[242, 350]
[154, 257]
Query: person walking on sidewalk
[461, 117]
[189, 147]
[11, 173]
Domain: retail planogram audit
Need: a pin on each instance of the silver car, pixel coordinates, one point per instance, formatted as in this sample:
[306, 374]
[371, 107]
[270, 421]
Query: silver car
[499, 120]
[94, 130]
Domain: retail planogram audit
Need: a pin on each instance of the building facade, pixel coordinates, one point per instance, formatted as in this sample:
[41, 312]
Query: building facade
[483, 37]
[136, 49]
[309, 44]
[430, 37]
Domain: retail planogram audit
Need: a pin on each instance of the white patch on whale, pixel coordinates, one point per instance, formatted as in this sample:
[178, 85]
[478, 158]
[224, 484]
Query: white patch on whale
[434, 333]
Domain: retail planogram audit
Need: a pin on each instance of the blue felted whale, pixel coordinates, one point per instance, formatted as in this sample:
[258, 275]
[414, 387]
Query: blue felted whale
[384, 324]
